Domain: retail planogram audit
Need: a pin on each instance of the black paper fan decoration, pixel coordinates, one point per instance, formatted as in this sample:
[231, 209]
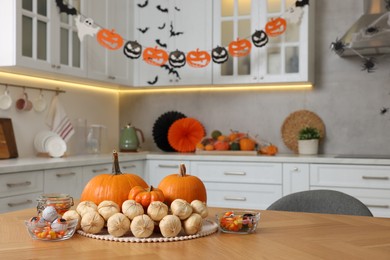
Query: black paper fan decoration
[161, 127]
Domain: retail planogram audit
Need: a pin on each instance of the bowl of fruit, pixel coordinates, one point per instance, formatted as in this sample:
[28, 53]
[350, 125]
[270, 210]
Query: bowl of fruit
[238, 222]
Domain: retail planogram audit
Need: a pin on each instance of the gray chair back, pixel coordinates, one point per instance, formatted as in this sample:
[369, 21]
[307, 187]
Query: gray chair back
[321, 201]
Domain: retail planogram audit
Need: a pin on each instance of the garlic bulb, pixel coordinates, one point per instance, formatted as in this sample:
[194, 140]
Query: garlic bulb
[107, 208]
[157, 210]
[200, 208]
[92, 222]
[170, 226]
[86, 206]
[181, 208]
[118, 225]
[131, 209]
[193, 224]
[142, 226]
[71, 215]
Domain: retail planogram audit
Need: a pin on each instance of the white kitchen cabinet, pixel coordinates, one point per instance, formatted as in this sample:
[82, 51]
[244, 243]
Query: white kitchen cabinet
[158, 169]
[64, 180]
[37, 38]
[285, 58]
[240, 184]
[104, 64]
[183, 26]
[295, 177]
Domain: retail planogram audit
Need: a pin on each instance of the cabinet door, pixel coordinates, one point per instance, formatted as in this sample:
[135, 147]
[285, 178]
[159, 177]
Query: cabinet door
[91, 171]
[21, 183]
[295, 177]
[64, 180]
[158, 169]
[135, 167]
[19, 202]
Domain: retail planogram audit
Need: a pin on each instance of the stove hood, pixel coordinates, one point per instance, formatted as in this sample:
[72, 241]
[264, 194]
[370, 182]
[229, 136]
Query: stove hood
[370, 34]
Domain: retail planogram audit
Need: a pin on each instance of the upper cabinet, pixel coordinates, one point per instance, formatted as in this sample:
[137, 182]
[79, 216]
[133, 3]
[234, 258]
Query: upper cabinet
[38, 37]
[174, 25]
[285, 57]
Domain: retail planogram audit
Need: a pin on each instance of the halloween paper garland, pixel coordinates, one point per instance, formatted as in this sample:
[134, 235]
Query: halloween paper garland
[158, 56]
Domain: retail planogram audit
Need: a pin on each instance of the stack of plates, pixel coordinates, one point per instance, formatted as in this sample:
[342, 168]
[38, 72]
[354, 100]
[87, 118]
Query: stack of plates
[50, 143]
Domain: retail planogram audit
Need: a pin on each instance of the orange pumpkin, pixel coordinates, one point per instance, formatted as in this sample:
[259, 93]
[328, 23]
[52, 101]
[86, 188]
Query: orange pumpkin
[109, 39]
[276, 26]
[198, 59]
[146, 196]
[269, 150]
[247, 144]
[182, 186]
[240, 47]
[221, 146]
[114, 187]
[155, 56]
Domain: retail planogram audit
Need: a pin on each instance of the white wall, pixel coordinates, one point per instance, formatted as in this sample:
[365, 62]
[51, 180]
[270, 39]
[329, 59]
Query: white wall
[347, 99]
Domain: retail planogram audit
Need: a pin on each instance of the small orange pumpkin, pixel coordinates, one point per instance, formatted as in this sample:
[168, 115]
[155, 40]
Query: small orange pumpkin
[182, 186]
[114, 187]
[221, 146]
[155, 56]
[240, 47]
[198, 59]
[109, 39]
[247, 144]
[145, 196]
[276, 26]
[269, 149]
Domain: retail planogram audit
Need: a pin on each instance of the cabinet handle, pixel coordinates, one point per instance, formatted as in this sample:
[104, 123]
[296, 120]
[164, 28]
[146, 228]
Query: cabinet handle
[295, 169]
[129, 166]
[65, 174]
[14, 204]
[235, 198]
[235, 173]
[168, 166]
[378, 206]
[12, 185]
[58, 67]
[99, 170]
[384, 178]
[111, 77]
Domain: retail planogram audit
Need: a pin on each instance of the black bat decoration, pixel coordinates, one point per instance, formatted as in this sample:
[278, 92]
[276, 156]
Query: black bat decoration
[163, 45]
[144, 4]
[384, 110]
[173, 33]
[64, 8]
[171, 70]
[301, 3]
[154, 81]
[177, 8]
[369, 64]
[143, 30]
[161, 27]
[162, 9]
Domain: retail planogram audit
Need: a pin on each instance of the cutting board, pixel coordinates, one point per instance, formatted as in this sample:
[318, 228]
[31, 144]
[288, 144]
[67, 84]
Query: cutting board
[8, 147]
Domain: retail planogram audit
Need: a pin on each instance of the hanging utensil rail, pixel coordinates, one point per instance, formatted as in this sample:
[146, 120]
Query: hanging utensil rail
[57, 90]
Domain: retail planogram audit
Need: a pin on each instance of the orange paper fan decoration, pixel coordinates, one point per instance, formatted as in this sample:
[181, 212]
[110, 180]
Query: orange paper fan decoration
[185, 133]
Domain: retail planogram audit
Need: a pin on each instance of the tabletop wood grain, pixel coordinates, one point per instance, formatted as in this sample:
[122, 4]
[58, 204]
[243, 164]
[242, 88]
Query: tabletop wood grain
[280, 235]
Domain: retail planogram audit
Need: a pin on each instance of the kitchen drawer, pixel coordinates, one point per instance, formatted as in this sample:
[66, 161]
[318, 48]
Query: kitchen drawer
[21, 183]
[158, 169]
[248, 196]
[64, 180]
[356, 176]
[91, 171]
[238, 172]
[377, 200]
[136, 167]
[19, 202]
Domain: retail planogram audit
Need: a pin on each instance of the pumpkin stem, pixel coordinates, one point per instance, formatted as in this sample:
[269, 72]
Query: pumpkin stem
[182, 170]
[115, 164]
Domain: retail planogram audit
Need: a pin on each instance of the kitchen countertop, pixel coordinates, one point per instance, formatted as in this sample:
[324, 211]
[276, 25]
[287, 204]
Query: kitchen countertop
[280, 235]
[42, 163]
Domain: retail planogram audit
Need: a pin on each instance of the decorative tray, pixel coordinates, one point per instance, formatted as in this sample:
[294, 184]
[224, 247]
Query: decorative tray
[227, 152]
[209, 227]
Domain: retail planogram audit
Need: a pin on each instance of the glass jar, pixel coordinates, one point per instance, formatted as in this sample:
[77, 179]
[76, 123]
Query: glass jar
[61, 202]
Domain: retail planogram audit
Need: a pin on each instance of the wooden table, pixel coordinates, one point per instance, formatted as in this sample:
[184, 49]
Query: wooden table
[281, 235]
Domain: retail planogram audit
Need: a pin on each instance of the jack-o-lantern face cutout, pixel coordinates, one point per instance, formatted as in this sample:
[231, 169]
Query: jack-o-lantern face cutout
[275, 27]
[220, 55]
[132, 49]
[259, 38]
[109, 39]
[240, 47]
[198, 59]
[177, 59]
[155, 56]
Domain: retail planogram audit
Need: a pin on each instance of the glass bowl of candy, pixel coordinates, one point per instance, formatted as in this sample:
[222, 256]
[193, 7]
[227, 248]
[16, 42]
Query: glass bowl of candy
[238, 222]
[60, 229]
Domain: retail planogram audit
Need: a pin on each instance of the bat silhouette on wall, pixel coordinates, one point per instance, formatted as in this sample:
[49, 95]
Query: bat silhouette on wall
[171, 70]
[144, 4]
[163, 45]
[143, 30]
[164, 10]
[301, 3]
[154, 81]
[173, 33]
[177, 8]
[64, 8]
[161, 27]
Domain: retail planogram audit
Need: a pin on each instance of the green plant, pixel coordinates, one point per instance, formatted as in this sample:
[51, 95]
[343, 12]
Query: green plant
[309, 133]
